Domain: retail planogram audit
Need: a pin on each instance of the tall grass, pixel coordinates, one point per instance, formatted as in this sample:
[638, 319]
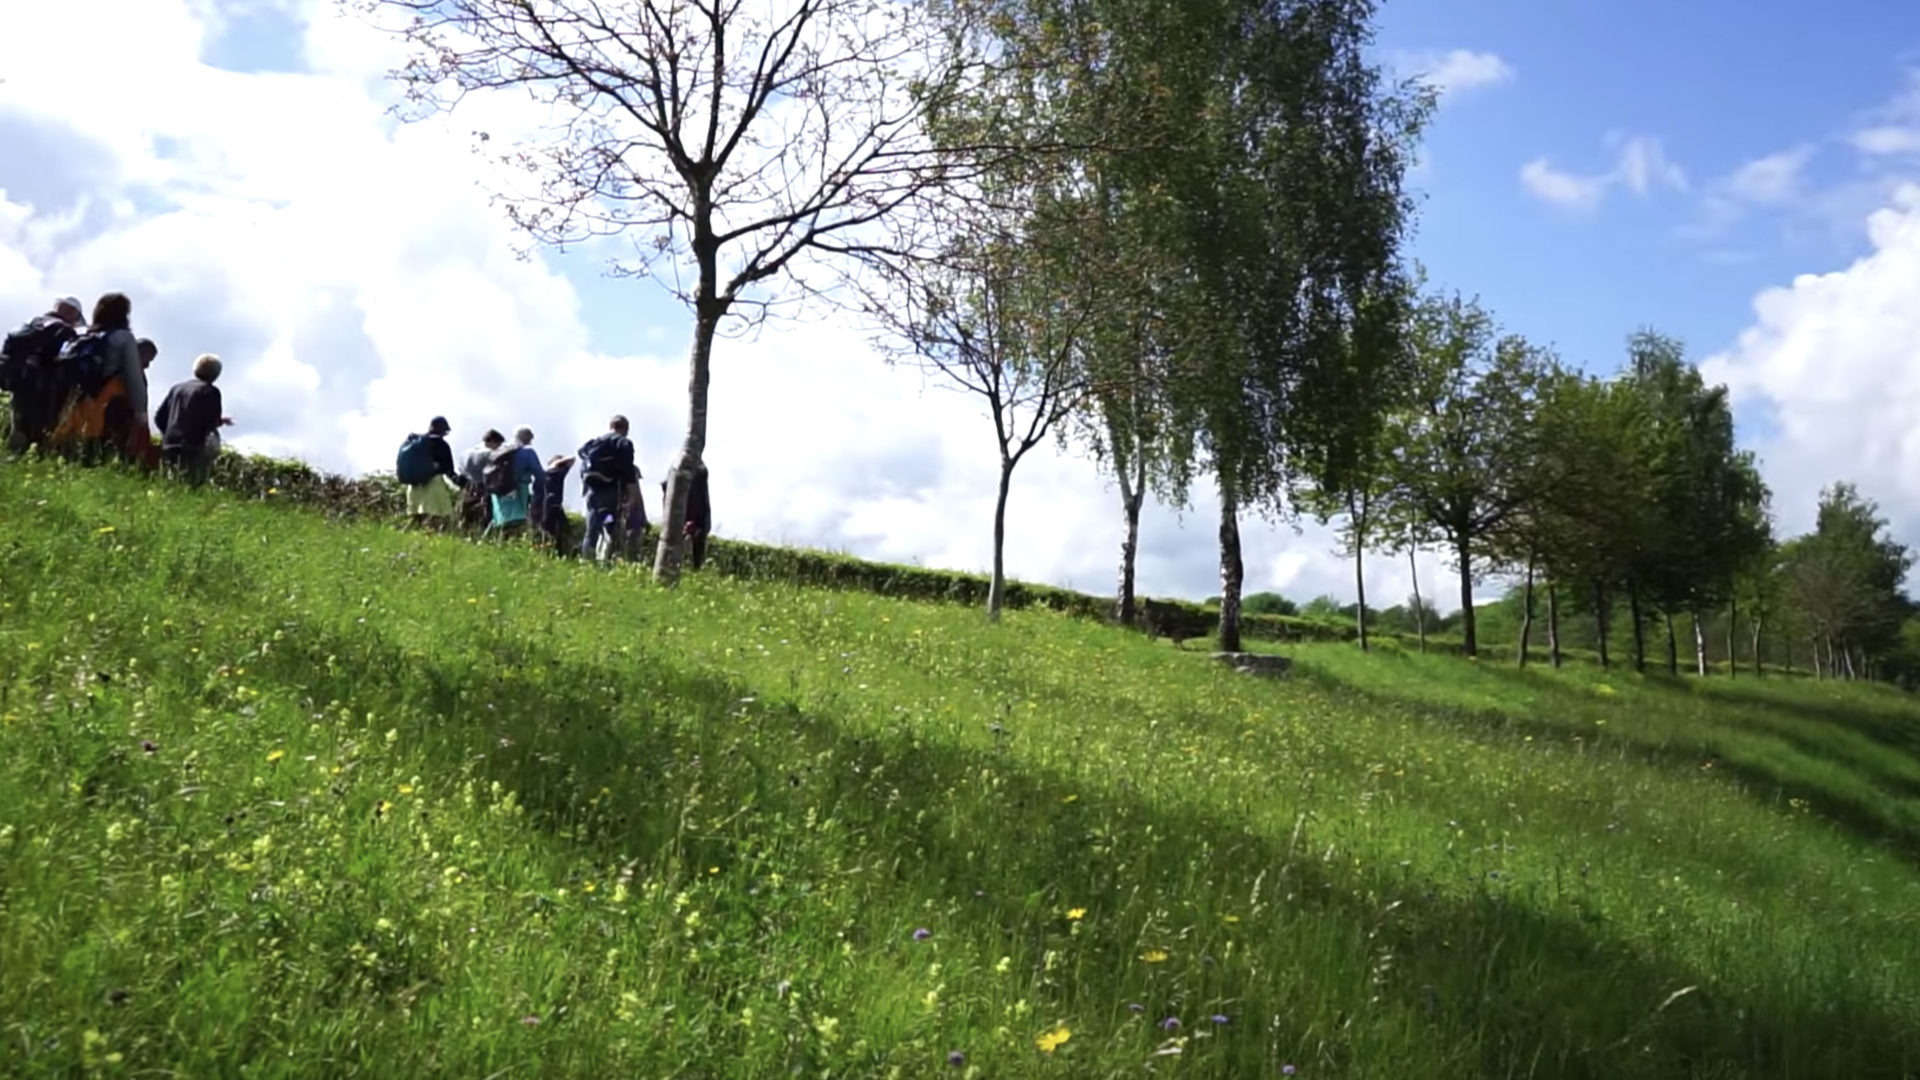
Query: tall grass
[282, 797]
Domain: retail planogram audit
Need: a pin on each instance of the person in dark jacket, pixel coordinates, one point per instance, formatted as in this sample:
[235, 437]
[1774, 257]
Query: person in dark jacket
[35, 399]
[699, 517]
[187, 418]
[606, 469]
[553, 515]
[431, 503]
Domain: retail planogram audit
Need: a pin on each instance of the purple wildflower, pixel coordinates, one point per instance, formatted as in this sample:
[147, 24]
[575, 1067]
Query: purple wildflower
[1135, 1006]
[1220, 1019]
[1171, 1023]
[922, 934]
[530, 1020]
[956, 1059]
[148, 746]
[1286, 1070]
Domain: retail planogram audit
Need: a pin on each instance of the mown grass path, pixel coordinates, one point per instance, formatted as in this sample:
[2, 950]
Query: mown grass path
[285, 798]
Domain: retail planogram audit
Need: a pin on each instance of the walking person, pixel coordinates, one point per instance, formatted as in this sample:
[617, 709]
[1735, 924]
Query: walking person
[553, 512]
[425, 465]
[109, 353]
[189, 419]
[474, 514]
[515, 483]
[699, 517]
[606, 467]
[28, 376]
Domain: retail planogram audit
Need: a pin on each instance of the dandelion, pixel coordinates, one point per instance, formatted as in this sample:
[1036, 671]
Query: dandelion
[406, 789]
[1053, 1040]
[922, 934]
[274, 756]
[1077, 913]
[1154, 956]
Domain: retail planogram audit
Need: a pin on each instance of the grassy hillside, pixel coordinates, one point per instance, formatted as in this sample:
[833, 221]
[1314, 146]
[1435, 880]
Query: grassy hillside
[284, 797]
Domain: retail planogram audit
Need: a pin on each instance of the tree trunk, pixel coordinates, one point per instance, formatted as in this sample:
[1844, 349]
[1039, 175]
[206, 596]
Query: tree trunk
[1733, 641]
[1673, 646]
[1360, 587]
[1469, 643]
[1602, 624]
[1639, 629]
[709, 309]
[1553, 623]
[1419, 605]
[1699, 647]
[1759, 669]
[1232, 571]
[1846, 654]
[1526, 615]
[997, 585]
[1133, 491]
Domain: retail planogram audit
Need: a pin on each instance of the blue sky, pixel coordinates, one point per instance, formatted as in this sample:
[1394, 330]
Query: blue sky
[1718, 82]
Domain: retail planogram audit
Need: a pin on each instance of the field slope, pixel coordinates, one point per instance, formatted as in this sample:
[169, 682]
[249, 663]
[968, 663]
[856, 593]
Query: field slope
[286, 798]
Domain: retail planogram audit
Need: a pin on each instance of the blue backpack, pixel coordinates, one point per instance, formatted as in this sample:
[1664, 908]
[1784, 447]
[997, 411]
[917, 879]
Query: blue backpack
[414, 465]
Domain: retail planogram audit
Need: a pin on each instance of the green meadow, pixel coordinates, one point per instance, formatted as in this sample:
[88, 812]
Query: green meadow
[284, 797]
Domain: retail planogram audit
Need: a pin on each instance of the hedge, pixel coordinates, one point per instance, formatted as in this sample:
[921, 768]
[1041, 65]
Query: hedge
[379, 495]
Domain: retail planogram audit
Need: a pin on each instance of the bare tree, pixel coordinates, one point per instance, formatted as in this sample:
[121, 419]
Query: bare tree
[998, 313]
[732, 140]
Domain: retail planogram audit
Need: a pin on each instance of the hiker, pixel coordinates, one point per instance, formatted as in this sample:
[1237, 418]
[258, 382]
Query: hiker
[27, 372]
[189, 421]
[606, 467]
[553, 514]
[425, 465]
[699, 516]
[103, 367]
[514, 482]
[473, 504]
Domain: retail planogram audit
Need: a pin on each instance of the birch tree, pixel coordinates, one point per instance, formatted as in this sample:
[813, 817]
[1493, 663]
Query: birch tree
[732, 142]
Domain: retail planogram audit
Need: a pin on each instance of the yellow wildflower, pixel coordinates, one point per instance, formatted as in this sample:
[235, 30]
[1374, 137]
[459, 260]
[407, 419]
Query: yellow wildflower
[275, 755]
[1052, 1040]
[1154, 956]
[1077, 913]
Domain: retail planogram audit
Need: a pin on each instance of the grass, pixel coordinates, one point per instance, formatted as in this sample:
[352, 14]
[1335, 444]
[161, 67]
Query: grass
[280, 797]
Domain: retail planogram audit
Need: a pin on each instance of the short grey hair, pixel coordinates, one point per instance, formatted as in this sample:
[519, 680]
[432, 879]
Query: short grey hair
[523, 435]
[207, 367]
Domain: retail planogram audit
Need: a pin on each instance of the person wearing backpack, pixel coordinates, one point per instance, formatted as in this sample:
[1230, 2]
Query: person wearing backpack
[514, 481]
[189, 419]
[27, 361]
[553, 514]
[425, 465]
[473, 505]
[606, 468]
[100, 369]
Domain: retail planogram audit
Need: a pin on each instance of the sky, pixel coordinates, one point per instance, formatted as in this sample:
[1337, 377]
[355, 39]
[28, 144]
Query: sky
[1743, 176]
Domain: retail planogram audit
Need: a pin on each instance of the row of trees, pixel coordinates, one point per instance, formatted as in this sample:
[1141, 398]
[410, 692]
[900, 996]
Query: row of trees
[1170, 230]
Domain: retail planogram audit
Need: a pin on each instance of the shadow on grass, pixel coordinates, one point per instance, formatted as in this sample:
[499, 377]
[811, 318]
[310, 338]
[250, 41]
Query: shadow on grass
[1873, 820]
[1504, 987]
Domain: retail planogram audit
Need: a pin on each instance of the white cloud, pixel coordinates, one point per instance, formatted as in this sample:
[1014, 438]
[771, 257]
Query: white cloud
[354, 278]
[1456, 70]
[1771, 180]
[1832, 362]
[1564, 189]
[1640, 166]
[1893, 129]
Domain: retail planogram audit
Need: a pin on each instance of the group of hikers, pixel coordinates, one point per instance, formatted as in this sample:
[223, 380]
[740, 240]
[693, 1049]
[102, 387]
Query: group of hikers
[78, 385]
[501, 487]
